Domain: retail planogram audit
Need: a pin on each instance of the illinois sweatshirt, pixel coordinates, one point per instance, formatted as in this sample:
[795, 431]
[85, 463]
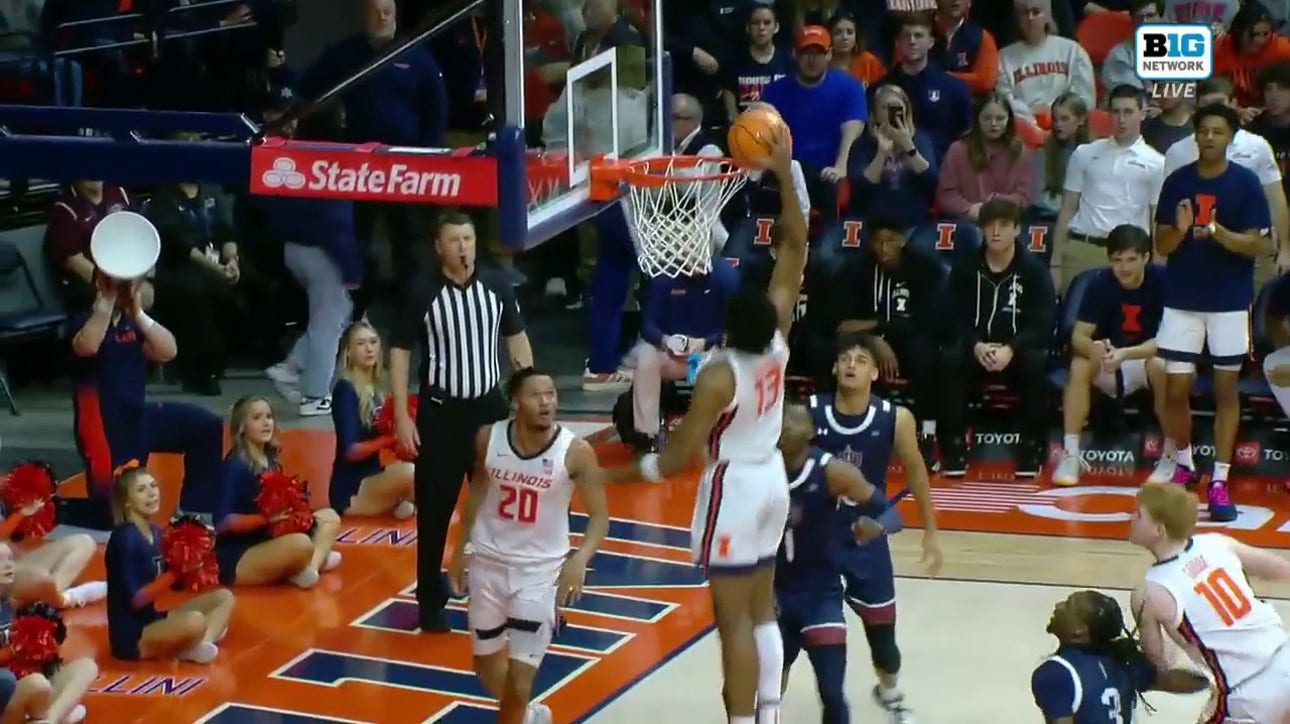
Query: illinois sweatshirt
[1033, 76]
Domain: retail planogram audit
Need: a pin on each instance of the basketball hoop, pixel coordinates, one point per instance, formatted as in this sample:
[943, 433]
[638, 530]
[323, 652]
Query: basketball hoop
[672, 204]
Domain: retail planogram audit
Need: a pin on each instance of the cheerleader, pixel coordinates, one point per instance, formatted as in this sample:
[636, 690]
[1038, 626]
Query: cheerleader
[46, 570]
[359, 485]
[36, 698]
[247, 554]
[136, 629]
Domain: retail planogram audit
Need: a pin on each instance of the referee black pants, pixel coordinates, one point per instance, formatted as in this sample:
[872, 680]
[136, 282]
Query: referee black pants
[447, 428]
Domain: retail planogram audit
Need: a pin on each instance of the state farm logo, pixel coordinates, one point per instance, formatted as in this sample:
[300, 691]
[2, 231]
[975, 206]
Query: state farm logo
[282, 174]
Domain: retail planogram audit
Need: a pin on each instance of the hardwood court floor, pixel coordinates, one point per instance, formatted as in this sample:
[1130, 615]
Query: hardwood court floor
[639, 647]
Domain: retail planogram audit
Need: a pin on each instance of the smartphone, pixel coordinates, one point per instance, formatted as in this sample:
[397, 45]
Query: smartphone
[896, 114]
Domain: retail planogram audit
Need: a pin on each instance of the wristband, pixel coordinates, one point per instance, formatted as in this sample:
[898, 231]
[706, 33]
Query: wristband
[144, 321]
[649, 468]
[891, 520]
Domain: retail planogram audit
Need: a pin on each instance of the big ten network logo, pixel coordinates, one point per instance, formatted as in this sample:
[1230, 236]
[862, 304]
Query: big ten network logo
[1174, 52]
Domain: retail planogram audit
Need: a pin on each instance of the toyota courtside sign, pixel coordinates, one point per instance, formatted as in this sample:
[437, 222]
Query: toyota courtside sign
[372, 173]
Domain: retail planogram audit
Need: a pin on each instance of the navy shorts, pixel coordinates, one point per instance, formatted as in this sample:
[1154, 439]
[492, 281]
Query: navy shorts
[870, 581]
[810, 619]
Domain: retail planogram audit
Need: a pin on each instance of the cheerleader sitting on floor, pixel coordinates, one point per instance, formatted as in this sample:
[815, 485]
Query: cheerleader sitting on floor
[46, 569]
[359, 484]
[248, 555]
[136, 629]
[36, 698]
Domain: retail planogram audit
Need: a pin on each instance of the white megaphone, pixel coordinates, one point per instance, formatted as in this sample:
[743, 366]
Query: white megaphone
[125, 245]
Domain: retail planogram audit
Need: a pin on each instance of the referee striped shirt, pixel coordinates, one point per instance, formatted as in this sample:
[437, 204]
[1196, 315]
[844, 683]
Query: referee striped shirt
[459, 327]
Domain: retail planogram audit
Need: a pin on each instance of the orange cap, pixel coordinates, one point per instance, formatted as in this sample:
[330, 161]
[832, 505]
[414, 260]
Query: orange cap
[814, 36]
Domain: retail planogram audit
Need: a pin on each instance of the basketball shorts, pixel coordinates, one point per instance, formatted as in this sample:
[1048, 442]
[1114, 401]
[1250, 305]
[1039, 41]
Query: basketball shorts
[869, 581]
[1131, 377]
[1261, 699]
[1183, 335]
[512, 606]
[810, 618]
[739, 516]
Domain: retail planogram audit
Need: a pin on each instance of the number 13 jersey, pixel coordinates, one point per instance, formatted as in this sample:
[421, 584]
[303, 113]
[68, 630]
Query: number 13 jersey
[1221, 624]
[748, 429]
[524, 519]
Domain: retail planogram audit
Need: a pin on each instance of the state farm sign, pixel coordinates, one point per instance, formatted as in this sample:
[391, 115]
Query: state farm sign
[372, 173]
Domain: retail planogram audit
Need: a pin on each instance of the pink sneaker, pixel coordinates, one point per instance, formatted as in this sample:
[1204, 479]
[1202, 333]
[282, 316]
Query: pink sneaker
[1221, 508]
[1185, 477]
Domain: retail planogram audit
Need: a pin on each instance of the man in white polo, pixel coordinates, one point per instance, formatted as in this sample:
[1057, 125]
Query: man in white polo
[1253, 152]
[1109, 182]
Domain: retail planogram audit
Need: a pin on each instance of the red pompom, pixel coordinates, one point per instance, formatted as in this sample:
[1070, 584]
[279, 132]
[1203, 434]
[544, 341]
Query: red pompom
[34, 640]
[28, 484]
[284, 500]
[188, 550]
[384, 423]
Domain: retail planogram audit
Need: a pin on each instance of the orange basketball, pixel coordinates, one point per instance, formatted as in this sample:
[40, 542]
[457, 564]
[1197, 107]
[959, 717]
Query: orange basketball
[750, 135]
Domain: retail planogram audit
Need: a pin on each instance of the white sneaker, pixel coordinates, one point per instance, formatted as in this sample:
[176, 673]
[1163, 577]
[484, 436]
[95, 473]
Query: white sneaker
[555, 287]
[285, 380]
[617, 381]
[1068, 470]
[202, 653]
[85, 594]
[76, 715]
[1164, 471]
[404, 510]
[332, 562]
[315, 406]
[308, 578]
[538, 714]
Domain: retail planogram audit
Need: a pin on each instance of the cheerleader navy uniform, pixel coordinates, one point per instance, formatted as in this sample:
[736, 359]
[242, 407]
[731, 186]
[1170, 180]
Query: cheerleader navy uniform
[241, 485]
[351, 429]
[115, 424]
[865, 441]
[8, 681]
[132, 563]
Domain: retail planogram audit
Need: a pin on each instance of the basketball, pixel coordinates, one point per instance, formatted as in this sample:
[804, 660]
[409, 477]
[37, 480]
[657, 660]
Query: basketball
[750, 134]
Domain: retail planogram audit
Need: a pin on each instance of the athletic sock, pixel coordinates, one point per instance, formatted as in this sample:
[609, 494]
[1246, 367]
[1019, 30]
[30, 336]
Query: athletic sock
[1071, 445]
[1220, 473]
[1184, 458]
[770, 668]
[1171, 450]
[743, 720]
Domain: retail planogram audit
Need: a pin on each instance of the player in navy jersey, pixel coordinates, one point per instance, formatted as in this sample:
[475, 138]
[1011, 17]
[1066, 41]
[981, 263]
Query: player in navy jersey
[808, 585]
[1099, 669]
[1212, 221]
[865, 430]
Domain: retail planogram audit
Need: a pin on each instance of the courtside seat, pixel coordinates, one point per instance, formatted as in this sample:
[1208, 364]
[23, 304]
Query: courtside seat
[25, 317]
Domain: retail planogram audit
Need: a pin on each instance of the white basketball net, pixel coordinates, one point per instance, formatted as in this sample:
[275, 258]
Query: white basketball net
[672, 223]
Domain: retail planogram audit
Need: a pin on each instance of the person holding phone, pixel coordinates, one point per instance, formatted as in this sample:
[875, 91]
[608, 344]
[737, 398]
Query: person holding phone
[892, 166]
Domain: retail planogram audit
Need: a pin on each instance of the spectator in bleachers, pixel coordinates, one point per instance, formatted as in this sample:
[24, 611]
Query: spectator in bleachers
[892, 166]
[1211, 223]
[850, 54]
[990, 162]
[1251, 45]
[1253, 152]
[1113, 345]
[403, 103]
[547, 58]
[826, 112]
[1109, 182]
[67, 239]
[942, 103]
[1168, 122]
[701, 37]
[1215, 13]
[755, 65]
[1273, 124]
[680, 317]
[1120, 66]
[1070, 131]
[1000, 19]
[964, 48]
[1041, 66]
[1003, 304]
[898, 294]
[813, 12]
[605, 29]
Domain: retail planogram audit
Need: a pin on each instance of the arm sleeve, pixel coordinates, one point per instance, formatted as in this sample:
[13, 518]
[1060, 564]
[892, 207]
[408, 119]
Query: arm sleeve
[345, 417]
[1056, 689]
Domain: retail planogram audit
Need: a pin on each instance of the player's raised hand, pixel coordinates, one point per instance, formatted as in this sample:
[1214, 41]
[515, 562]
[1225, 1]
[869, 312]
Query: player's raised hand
[572, 577]
[780, 158]
[1184, 216]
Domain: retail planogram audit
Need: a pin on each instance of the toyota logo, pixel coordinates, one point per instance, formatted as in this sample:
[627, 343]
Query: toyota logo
[284, 173]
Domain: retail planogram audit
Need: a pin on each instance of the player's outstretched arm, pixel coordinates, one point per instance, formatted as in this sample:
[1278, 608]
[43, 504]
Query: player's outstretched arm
[476, 491]
[790, 252]
[916, 477]
[1149, 605]
[1260, 564]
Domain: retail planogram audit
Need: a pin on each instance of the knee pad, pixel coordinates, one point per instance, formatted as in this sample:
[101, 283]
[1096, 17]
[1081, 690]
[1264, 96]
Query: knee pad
[882, 647]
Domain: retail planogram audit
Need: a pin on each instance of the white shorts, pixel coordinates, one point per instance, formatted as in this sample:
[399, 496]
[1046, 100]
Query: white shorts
[739, 516]
[512, 605]
[1131, 377]
[1184, 335]
[1265, 697]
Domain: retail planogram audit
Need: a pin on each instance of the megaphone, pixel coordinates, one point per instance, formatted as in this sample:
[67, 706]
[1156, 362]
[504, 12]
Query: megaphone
[125, 245]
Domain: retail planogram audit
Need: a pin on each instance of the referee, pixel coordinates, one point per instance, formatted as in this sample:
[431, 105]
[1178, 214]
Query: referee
[458, 313]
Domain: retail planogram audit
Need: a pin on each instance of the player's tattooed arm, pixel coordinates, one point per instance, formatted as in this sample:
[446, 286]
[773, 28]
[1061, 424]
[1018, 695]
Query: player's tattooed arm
[1146, 615]
[589, 480]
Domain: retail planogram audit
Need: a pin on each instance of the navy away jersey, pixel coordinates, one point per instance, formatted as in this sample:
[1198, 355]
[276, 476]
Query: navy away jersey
[809, 554]
[1091, 687]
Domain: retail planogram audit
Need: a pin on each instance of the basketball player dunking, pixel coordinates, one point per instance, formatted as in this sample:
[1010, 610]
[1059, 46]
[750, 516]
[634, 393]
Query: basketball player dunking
[1199, 594]
[735, 414]
[866, 430]
[517, 522]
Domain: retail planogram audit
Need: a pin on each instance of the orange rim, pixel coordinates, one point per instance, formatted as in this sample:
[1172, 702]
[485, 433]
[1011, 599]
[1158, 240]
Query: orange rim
[608, 175]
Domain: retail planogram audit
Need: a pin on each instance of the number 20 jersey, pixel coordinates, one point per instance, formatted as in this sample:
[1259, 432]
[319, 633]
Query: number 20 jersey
[748, 429]
[1220, 622]
[524, 519]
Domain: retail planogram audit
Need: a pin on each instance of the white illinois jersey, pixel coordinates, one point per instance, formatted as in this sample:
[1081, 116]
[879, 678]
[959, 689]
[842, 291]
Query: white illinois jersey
[748, 429]
[524, 518]
[1220, 623]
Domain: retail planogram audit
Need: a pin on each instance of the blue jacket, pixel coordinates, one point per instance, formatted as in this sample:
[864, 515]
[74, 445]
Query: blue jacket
[403, 103]
[323, 223]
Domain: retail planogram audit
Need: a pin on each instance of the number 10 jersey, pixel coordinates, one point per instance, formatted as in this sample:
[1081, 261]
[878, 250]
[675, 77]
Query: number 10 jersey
[524, 519]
